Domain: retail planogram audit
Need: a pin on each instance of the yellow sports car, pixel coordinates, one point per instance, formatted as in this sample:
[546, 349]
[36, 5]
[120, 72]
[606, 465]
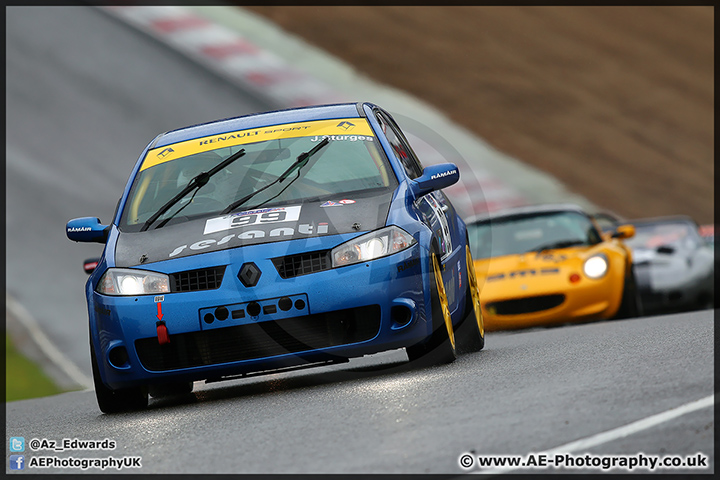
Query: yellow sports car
[550, 264]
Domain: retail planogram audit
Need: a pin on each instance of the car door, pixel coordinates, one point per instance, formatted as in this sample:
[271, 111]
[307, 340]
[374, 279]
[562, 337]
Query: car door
[435, 208]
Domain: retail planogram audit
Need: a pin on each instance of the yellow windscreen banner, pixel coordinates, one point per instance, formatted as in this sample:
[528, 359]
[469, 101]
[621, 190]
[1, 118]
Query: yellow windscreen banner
[342, 126]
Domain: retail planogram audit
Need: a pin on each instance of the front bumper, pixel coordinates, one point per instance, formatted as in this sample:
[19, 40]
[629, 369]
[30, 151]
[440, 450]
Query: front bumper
[331, 314]
[663, 290]
[511, 306]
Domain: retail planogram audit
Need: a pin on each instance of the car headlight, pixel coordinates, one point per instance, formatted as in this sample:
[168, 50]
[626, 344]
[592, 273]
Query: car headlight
[596, 266]
[370, 246]
[125, 281]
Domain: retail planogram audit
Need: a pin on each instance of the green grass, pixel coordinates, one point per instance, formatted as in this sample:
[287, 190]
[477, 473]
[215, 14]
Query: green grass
[24, 379]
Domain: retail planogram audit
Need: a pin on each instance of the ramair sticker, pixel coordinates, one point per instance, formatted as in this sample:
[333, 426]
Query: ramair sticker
[443, 174]
[260, 216]
[408, 264]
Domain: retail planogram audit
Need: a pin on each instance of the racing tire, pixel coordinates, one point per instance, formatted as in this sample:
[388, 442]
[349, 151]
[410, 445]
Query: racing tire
[170, 389]
[471, 332]
[440, 347]
[114, 401]
[631, 304]
[705, 301]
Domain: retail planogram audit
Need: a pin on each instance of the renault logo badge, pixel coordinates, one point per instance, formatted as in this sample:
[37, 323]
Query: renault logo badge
[249, 274]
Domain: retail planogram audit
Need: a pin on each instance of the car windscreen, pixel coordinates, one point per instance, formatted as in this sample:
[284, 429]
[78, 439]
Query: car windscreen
[271, 172]
[528, 233]
[677, 235]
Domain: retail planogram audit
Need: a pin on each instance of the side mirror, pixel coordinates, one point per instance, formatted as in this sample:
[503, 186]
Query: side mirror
[87, 229]
[606, 221]
[624, 231]
[90, 265]
[435, 177]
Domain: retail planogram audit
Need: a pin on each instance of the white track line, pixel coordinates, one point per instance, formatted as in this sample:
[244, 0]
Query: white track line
[617, 433]
[45, 345]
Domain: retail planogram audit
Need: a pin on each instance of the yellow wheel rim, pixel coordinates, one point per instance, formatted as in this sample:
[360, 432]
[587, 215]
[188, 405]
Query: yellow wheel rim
[443, 300]
[474, 291]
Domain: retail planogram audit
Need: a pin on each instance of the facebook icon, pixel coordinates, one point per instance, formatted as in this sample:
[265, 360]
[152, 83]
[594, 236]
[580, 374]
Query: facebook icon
[17, 462]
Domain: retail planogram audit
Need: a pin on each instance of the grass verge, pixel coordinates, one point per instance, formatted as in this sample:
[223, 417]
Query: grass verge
[24, 379]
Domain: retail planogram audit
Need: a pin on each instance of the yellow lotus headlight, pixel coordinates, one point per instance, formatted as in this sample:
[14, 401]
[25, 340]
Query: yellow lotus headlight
[596, 266]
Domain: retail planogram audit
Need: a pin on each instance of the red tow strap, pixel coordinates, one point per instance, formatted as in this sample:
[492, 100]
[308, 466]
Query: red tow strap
[162, 333]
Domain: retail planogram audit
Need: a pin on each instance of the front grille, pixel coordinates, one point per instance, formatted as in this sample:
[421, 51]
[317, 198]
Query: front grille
[195, 280]
[302, 263]
[261, 339]
[519, 306]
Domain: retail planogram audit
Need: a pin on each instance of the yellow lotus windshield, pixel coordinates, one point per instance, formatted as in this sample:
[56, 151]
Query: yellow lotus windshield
[531, 233]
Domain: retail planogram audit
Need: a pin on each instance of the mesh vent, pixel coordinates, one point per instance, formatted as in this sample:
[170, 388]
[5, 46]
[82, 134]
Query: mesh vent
[195, 280]
[302, 264]
[519, 306]
[261, 339]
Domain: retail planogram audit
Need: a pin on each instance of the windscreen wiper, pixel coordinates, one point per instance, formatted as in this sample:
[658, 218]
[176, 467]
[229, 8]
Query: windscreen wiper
[299, 162]
[197, 182]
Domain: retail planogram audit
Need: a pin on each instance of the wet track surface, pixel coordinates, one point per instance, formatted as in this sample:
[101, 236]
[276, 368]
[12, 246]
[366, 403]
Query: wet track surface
[526, 392]
[84, 96]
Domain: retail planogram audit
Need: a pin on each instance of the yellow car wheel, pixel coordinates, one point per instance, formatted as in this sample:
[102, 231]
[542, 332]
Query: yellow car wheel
[471, 332]
[631, 304]
[442, 297]
[440, 347]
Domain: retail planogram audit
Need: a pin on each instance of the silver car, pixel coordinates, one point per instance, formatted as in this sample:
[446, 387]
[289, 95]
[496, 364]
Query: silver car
[674, 265]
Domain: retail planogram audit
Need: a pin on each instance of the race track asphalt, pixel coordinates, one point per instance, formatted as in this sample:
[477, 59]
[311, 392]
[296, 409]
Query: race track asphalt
[526, 392]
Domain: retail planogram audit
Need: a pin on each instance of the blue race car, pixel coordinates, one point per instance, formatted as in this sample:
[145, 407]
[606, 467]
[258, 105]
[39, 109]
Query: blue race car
[276, 241]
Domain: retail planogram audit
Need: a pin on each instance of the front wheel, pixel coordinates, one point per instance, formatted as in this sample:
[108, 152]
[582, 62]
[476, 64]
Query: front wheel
[471, 332]
[113, 401]
[631, 304]
[440, 347]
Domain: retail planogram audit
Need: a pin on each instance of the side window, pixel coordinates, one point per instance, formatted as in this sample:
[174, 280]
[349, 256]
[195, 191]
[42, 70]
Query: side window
[402, 150]
[693, 239]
